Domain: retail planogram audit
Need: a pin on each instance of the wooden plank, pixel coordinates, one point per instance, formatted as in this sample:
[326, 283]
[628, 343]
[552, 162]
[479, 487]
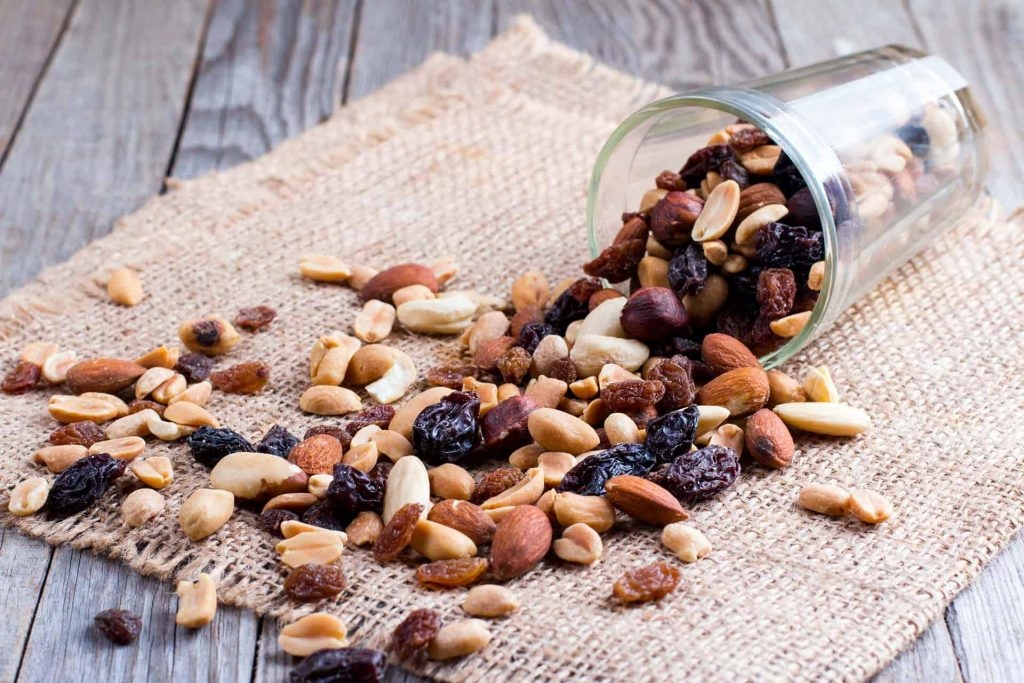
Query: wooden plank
[269, 71]
[96, 141]
[836, 28]
[982, 40]
[29, 32]
[65, 642]
[929, 660]
[986, 621]
[683, 45]
[395, 36]
[24, 563]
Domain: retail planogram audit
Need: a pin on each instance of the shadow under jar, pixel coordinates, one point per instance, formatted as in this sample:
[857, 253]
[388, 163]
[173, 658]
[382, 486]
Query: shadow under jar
[875, 154]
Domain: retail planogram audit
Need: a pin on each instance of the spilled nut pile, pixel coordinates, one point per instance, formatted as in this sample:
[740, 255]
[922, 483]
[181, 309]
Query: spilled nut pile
[601, 409]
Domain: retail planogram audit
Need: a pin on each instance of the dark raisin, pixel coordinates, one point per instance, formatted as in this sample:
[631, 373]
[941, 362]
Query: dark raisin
[450, 376]
[271, 520]
[209, 444]
[255, 318]
[618, 262]
[688, 269]
[397, 533]
[514, 364]
[704, 160]
[194, 366]
[734, 170]
[676, 376]
[589, 475]
[644, 584]
[917, 138]
[326, 516]
[138, 405]
[78, 434]
[245, 378]
[505, 427]
[447, 431]
[343, 665]
[736, 320]
[410, 638]
[352, 491]
[526, 315]
[531, 334]
[563, 369]
[572, 304]
[673, 433]
[379, 474]
[633, 395]
[746, 139]
[786, 175]
[21, 378]
[457, 572]
[119, 625]
[682, 346]
[379, 415]
[494, 482]
[783, 246]
[83, 483]
[670, 180]
[672, 218]
[330, 430]
[698, 475]
[802, 210]
[312, 582]
[776, 289]
[277, 441]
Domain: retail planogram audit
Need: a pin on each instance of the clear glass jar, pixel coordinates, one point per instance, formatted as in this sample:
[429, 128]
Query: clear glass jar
[836, 121]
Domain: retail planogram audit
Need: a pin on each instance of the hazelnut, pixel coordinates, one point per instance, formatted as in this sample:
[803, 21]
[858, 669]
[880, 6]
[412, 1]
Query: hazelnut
[672, 218]
[652, 314]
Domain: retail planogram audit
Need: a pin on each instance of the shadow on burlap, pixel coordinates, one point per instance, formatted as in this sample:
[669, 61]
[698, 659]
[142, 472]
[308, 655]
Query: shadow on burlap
[487, 161]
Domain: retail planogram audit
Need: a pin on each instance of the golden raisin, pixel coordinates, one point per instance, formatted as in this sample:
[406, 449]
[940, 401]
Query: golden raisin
[244, 378]
[494, 482]
[460, 572]
[255, 318]
[397, 533]
[78, 434]
[138, 405]
[632, 396]
[410, 639]
[312, 582]
[514, 364]
[644, 584]
[23, 377]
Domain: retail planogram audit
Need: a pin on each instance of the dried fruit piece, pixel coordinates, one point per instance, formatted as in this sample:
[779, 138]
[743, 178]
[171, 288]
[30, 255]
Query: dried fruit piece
[618, 262]
[195, 367]
[494, 482]
[457, 572]
[120, 626]
[255, 318]
[632, 396]
[704, 161]
[137, 406]
[447, 430]
[312, 582]
[572, 304]
[380, 415]
[21, 378]
[782, 246]
[271, 520]
[688, 270]
[277, 441]
[355, 664]
[410, 638]
[506, 426]
[670, 180]
[514, 364]
[211, 335]
[590, 474]
[530, 336]
[776, 290]
[747, 139]
[77, 433]
[352, 492]
[699, 475]
[245, 378]
[675, 375]
[450, 376]
[563, 369]
[83, 483]
[325, 516]
[673, 216]
[645, 584]
[672, 434]
[397, 533]
[209, 445]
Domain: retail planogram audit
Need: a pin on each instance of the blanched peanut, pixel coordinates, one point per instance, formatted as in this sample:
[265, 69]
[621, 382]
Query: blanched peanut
[197, 602]
[459, 639]
[140, 506]
[490, 601]
[155, 472]
[317, 631]
[205, 511]
[688, 543]
[28, 496]
[579, 544]
[311, 547]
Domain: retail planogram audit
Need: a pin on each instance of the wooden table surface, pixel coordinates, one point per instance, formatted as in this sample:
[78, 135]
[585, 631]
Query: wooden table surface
[100, 100]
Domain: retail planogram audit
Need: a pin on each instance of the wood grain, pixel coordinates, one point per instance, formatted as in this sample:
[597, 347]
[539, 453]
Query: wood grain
[29, 31]
[929, 660]
[98, 136]
[24, 563]
[682, 44]
[269, 71]
[394, 36]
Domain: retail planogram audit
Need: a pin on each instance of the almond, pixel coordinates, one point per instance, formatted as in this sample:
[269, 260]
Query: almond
[755, 196]
[723, 353]
[106, 375]
[316, 455]
[522, 538]
[466, 517]
[644, 500]
[384, 284]
[740, 391]
[768, 439]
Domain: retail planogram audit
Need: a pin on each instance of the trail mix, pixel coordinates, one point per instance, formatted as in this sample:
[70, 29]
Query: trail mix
[597, 407]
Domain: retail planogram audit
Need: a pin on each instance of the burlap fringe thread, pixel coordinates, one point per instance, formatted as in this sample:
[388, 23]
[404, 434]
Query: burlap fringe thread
[487, 160]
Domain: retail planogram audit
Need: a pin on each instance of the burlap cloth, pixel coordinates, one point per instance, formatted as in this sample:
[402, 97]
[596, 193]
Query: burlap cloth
[487, 160]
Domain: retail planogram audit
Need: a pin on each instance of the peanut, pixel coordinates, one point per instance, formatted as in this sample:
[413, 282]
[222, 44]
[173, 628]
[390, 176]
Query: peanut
[312, 547]
[688, 543]
[558, 431]
[204, 512]
[579, 544]
[447, 315]
[594, 511]
[592, 351]
[324, 268]
[451, 482]
[824, 499]
[150, 380]
[364, 529]
[818, 386]
[162, 356]
[459, 639]
[330, 400]
[28, 497]
[554, 466]
[375, 321]
[155, 472]
[56, 366]
[59, 458]
[621, 428]
[317, 631]
[490, 601]
[868, 506]
[412, 293]
[67, 409]
[318, 484]
[197, 602]
[330, 357]
[124, 448]
[124, 287]
[531, 289]
[439, 542]
[140, 506]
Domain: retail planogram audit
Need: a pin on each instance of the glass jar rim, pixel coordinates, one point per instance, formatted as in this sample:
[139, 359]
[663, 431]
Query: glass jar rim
[813, 158]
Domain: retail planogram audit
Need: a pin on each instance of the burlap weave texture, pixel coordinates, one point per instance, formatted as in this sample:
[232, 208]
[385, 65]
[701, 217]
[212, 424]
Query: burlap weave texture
[487, 161]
